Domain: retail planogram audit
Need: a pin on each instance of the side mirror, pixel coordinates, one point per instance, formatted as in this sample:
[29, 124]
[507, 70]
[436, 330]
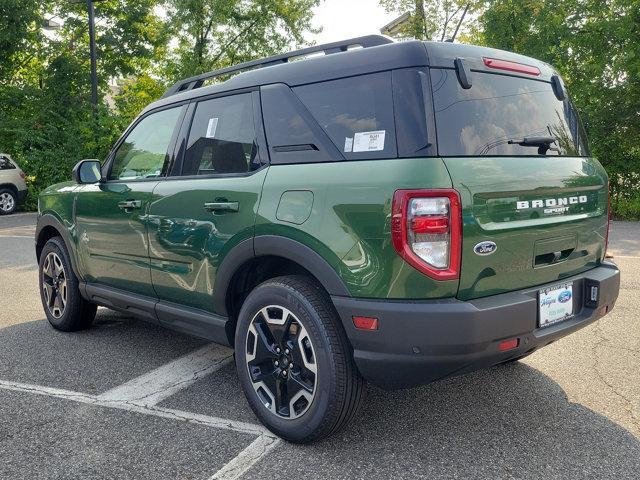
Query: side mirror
[87, 171]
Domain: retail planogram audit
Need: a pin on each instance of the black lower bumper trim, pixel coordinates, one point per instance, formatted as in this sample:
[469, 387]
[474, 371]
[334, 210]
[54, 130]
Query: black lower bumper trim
[422, 341]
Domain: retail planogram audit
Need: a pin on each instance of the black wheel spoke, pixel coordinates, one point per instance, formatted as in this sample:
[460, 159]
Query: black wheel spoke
[282, 397]
[265, 344]
[297, 383]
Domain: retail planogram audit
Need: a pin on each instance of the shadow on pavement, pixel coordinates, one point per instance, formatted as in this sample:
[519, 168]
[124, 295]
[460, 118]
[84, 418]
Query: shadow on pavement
[506, 422]
[115, 350]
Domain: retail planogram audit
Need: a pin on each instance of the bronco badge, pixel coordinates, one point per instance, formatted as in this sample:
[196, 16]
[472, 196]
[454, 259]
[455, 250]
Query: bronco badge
[485, 248]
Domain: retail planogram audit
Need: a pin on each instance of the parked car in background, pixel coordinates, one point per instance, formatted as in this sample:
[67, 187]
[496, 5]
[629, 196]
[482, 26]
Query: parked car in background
[13, 188]
[397, 213]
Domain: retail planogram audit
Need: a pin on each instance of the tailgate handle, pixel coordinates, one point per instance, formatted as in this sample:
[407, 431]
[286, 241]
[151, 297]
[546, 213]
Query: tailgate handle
[553, 257]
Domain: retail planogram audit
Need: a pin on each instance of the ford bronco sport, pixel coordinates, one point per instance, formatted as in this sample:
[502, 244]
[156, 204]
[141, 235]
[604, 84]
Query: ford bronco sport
[396, 213]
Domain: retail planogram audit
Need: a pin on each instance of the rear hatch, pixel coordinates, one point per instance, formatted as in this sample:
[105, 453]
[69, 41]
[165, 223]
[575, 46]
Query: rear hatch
[534, 210]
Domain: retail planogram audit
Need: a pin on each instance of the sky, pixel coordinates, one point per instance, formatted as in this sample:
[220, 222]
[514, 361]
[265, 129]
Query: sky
[342, 19]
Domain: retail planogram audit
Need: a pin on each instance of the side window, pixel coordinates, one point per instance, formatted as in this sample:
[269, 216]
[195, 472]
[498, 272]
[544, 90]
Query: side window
[356, 113]
[412, 103]
[143, 152]
[292, 133]
[5, 164]
[222, 137]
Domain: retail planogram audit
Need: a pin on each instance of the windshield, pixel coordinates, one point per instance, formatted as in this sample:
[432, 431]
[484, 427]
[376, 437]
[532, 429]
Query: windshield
[503, 115]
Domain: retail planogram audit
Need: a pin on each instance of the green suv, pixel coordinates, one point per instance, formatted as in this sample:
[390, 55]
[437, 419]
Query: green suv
[391, 212]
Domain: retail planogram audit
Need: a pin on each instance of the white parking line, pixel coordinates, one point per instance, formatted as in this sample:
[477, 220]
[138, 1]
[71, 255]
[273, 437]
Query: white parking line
[247, 458]
[169, 413]
[156, 385]
[142, 395]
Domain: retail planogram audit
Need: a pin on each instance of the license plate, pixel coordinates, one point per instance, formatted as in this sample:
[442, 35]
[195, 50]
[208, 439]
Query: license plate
[555, 304]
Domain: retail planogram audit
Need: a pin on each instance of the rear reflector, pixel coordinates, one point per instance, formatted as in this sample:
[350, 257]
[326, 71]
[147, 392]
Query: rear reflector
[510, 344]
[511, 66]
[366, 323]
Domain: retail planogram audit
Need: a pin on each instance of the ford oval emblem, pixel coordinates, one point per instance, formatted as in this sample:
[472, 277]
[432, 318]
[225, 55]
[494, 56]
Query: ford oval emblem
[485, 248]
[564, 297]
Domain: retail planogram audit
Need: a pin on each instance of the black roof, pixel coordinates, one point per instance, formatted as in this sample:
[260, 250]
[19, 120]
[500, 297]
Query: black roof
[378, 53]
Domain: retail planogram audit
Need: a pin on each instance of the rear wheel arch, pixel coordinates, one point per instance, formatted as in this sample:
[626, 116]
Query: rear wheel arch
[9, 186]
[246, 267]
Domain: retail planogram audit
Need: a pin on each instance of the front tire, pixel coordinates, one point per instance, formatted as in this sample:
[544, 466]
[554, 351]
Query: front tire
[65, 308]
[294, 362]
[8, 201]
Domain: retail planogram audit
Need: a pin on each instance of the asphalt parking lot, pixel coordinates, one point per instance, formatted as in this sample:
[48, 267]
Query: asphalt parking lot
[130, 400]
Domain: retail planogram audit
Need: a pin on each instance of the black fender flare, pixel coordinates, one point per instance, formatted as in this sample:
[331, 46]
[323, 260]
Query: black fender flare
[273, 245]
[49, 220]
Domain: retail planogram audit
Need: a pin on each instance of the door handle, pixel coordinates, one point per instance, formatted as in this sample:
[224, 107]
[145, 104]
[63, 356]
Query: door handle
[130, 204]
[220, 207]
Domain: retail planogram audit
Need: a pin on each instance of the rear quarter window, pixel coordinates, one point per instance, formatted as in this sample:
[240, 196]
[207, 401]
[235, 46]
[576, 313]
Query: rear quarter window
[356, 113]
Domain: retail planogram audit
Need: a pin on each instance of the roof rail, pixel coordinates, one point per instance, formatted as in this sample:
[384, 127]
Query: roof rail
[328, 48]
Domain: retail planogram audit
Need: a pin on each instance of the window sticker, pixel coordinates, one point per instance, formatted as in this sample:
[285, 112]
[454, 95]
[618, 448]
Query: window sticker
[369, 141]
[211, 128]
[348, 144]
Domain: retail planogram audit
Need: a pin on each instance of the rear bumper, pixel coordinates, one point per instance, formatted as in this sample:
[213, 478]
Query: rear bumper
[422, 341]
[22, 195]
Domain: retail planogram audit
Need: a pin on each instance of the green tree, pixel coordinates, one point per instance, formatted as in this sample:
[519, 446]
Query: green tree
[45, 115]
[432, 19]
[20, 32]
[136, 94]
[130, 35]
[214, 33]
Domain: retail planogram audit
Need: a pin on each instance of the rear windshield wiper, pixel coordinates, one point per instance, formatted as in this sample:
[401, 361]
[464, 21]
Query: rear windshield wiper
[543, 143]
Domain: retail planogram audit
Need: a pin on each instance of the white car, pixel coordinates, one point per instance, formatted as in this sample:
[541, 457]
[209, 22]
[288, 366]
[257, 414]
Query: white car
[13, 189]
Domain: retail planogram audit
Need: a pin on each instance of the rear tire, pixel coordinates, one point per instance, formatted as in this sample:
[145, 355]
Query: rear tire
[8, 201]
[294, 361]
[65, 308]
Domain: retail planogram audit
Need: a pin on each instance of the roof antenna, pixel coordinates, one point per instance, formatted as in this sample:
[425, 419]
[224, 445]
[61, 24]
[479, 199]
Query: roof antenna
[464, 13]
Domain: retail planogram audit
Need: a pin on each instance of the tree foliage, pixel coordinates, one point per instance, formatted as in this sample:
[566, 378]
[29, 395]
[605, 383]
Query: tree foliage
[46, 120]
[215, 33]
[432, 20]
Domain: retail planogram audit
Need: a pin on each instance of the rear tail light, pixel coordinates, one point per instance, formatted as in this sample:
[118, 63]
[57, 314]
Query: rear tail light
[511, 66]
[426, 231]
[23, 175]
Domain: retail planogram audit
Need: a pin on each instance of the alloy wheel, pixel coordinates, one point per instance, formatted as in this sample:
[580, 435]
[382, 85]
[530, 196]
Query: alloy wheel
[7, 202]
[54, 284]
[281, 361]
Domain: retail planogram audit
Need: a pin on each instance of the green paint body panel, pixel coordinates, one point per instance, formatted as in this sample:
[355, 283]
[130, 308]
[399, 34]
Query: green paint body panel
[112, 243]
[489, 188]
[187, 243]
[350, 222]
[171, 247]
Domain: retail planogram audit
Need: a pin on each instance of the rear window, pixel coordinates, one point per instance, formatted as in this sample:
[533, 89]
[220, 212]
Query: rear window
[356, 113]
[498, 109]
